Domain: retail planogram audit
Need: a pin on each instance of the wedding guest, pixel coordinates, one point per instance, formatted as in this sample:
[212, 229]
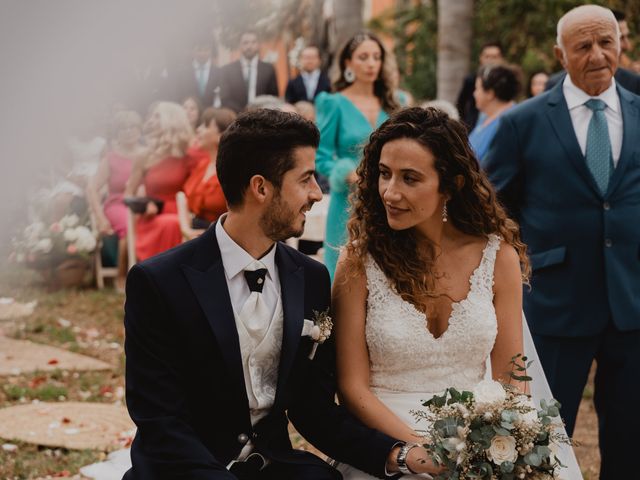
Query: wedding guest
[204, 194]
[428, 287]
[192, 109]
[247, 78]
[536, 83]
[162, 171]
[565, 164]
[363, 99]
[497, 86]
[114, 171]
[200, 77]
[490, 53]
[311, 80]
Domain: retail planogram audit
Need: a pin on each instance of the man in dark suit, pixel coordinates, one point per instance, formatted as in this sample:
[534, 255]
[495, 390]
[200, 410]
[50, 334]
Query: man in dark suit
[311, 80]
[567, 166]
[490, 53]
[247, 78]
[201, 77]
[220, 338]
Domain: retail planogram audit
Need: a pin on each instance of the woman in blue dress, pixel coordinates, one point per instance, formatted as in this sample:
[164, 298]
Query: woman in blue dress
[362, 101]
[496, 88]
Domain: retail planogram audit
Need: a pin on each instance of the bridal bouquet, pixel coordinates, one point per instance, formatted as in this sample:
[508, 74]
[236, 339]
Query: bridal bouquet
[494, 432]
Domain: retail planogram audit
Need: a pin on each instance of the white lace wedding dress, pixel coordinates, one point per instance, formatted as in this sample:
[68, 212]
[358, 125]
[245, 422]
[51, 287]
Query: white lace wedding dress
[408, 364]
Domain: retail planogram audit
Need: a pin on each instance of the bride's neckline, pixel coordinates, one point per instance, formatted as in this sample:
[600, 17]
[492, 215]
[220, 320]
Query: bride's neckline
[455, 305]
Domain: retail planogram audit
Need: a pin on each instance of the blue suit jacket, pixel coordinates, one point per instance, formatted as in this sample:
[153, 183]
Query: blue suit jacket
[584, 246]
[185, 386]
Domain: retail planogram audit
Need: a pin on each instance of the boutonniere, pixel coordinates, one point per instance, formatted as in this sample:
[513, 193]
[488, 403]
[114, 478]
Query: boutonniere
[319, 329]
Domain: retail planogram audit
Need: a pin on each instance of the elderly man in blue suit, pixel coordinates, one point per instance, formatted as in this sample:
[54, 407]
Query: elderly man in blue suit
[567, 166]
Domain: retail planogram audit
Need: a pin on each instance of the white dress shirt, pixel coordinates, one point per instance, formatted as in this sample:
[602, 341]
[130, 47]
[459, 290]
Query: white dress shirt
[250, 74]
[581, 115]
[310, 80]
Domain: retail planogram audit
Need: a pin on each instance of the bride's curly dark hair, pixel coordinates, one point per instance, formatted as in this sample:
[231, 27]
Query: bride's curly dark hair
[472, 207]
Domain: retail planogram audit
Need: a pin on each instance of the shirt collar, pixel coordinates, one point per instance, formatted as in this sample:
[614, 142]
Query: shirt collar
[235, 258]
[576, 97]
[252, 62]
[312, 74]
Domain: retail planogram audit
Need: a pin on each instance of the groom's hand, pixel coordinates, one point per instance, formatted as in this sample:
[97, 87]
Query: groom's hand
[418, 461]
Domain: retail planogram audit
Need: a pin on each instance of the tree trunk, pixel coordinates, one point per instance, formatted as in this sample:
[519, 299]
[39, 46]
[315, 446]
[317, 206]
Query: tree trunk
[454, 46]
[347, 18]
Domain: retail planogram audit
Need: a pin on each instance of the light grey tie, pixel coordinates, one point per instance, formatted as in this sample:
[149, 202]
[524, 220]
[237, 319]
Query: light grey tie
[598, 153]
[255, 314]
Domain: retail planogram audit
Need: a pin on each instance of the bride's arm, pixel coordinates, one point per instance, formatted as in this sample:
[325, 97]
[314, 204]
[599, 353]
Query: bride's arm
[508, 304]
[349, 297]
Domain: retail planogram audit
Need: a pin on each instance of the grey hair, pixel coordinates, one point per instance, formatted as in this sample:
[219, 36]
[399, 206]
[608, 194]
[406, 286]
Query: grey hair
[563, 19]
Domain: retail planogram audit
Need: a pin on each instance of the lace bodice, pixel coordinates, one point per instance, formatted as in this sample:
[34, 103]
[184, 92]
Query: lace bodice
[404, 356]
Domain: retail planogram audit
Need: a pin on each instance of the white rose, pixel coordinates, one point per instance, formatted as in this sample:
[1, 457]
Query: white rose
[530, 417]
[502, 449]
[45, 245]
[69, 220]
[70, 235]
[488, 393]
[85, 242]
[33, 231]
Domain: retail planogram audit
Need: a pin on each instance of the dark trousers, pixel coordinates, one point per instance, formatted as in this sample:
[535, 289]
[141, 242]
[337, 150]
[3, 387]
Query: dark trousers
[567, 361]
[299, 470]
[281, 471]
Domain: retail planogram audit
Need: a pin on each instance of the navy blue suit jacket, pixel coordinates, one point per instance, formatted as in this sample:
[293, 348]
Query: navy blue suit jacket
[184, 377]
[584, 246]
[296, 90]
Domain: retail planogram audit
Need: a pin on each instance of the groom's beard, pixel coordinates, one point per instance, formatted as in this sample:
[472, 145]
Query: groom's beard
[279, 221]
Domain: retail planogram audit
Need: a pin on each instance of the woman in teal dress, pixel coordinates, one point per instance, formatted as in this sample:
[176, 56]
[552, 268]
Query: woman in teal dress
[362, 101]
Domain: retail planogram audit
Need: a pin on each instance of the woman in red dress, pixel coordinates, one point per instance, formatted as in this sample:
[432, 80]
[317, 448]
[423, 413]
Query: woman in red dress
[162, 172]
[202, 188]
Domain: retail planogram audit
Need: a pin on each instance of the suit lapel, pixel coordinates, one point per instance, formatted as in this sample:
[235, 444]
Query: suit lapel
[292, 288]
[558, 114]
[631, 127]
[208, 281]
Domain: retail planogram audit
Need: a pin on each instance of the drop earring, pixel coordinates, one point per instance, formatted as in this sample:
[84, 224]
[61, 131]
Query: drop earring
[445, 215]
[349, 75]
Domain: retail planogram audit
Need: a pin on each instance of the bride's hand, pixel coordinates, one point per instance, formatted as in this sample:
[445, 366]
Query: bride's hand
[419, 461]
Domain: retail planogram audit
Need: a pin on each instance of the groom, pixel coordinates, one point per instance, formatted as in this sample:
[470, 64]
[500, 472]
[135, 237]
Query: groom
[217, 356]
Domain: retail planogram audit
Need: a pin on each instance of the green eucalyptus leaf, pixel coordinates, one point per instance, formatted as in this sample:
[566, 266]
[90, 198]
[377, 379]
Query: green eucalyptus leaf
[507, 467]
[533, 459]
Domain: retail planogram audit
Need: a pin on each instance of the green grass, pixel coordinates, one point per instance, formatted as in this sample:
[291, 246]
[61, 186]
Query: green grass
[32, 461]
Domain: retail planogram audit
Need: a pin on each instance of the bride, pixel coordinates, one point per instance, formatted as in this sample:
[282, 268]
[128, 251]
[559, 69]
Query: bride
[428, 291]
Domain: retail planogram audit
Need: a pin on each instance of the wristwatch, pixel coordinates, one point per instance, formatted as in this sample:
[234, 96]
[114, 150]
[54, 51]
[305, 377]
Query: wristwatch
[401, 459]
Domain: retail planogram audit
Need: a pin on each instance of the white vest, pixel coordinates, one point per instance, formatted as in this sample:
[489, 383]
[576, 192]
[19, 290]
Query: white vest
[260, 362]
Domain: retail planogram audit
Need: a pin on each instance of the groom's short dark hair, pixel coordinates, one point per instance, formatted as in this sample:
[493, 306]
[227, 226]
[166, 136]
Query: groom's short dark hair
[260, 142]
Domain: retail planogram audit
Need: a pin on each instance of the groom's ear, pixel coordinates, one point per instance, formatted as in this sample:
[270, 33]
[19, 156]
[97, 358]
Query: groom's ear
[259, 189]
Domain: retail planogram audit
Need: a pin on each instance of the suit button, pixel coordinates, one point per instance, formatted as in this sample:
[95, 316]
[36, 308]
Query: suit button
[608, 243]
[243, 438]
[606, 206]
